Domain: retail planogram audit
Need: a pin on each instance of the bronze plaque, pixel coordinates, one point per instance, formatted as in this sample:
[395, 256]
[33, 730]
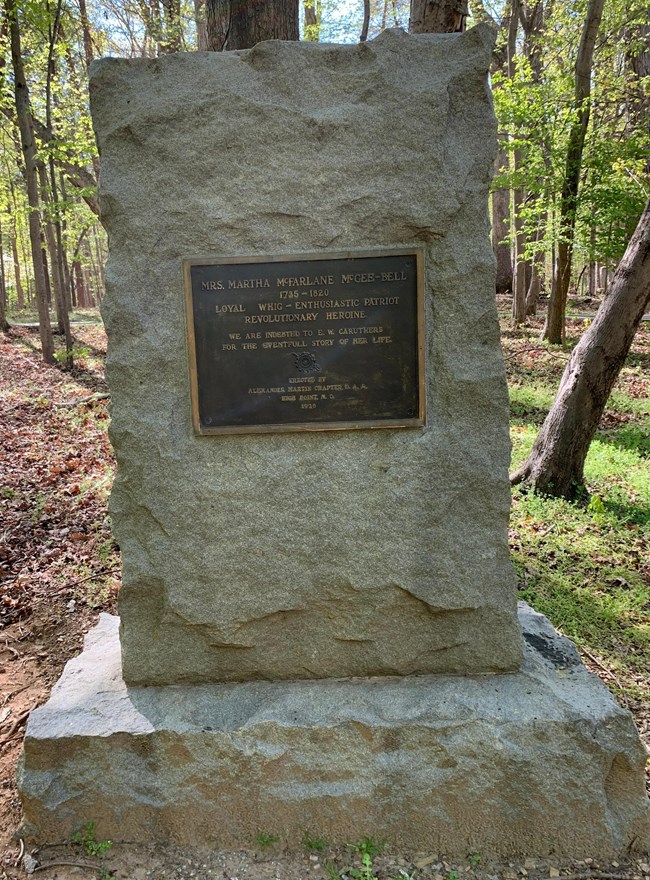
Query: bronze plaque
[312, 342]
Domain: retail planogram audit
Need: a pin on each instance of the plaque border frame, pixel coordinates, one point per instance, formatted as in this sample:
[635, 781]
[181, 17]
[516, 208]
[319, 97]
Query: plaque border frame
[292, 427]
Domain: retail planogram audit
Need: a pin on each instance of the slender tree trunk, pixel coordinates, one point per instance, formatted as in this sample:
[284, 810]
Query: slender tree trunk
[519, 265]
[312, 15]
[555, 465]
[29, 152]
[500, 218]
[366, 21]
[101, 262]
[199, 21]
[82, 299]
[52, 224]
[173, 34]
[4, 326]
[56, 274]
[88, 285]
[592, 264]
[46, 271]
[519, 259]
[438, 16]
[74, 300]
[535, 285]
[67, 273]
[554, 327]
[20, 294]
[87, 35]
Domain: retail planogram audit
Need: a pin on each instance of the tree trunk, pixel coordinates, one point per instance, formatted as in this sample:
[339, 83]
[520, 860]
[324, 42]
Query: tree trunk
[438, 16]
[519, 286]
[535, 285]
[555, 465]
[80, 287]
[312, 13]
[518, 260]
[4, 326]
[366, 21]
[554, 327]
[101, 262]
[199, 21]
[173, 34]
[236, 25]
[500, 217]
[56, 273]
[593, 266]
[87, 37]
[20, 294]
[88, 285]
[67, 274]
[24, 116]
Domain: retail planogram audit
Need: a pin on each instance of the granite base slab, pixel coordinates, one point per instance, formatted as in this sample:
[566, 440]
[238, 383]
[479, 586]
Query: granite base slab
[539, 762]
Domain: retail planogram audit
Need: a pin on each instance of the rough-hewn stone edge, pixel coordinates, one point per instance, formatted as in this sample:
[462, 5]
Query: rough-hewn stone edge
[540, 762]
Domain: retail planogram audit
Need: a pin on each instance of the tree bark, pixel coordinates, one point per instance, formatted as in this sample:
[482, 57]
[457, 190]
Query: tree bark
[535, 284]
[554, 326]
[438, 16]
[231, 24]
[518, 258]
[519, 287]
[312, 13]
[85, 29]
[555, 465]
[4, 326]
[366, 21]
[500, 218]
[199, 21]
[173, 32]
[80, 288]
[592, 264]
[24, 115]
[56, 273]
[20, 294]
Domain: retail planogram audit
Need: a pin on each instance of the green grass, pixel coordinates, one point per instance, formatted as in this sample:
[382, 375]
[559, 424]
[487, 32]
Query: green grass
[30, 316]
[587, 567]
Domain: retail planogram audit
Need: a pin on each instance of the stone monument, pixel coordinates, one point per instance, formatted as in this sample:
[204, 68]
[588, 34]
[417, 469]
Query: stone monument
[318, 626]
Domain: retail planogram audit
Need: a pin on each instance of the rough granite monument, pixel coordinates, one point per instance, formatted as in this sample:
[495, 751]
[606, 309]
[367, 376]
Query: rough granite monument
[318, 626]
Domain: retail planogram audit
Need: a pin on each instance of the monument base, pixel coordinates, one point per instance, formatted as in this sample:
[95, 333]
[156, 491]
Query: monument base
[541, 762]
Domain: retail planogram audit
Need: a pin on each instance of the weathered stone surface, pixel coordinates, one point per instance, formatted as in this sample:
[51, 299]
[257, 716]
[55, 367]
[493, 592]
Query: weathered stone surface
[306, 555]
[539, 762]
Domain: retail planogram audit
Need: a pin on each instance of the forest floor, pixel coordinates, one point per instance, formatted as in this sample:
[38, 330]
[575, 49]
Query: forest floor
[587, 568]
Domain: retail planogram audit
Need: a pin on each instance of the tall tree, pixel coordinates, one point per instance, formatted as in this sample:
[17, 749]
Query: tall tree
[24, 116]
[519, 238]
[232, 24]
[49, 191]
[555, 465]
[554, 327]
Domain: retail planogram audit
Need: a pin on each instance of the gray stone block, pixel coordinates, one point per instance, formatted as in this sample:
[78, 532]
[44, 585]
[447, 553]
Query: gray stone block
[541, 762]
[298, 556]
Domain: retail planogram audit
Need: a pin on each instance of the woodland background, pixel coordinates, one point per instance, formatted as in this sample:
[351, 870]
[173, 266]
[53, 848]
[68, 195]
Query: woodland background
[538, 103]
[571, 85]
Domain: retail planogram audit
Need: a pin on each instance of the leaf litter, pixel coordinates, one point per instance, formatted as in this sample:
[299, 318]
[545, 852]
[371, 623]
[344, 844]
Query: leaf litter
[59, 567]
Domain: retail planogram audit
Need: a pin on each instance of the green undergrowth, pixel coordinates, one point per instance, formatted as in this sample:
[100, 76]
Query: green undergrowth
[587, 566]
[30, 316]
